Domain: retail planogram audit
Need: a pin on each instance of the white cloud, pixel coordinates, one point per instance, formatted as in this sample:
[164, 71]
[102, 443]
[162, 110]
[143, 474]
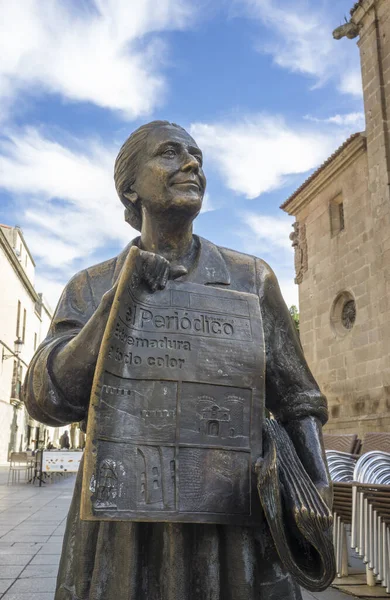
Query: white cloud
[96, 53]
[268, 236]
[270, 233]
[52, 289]
[207, 205]
[259, 153]
[289, 289]
[351, 82]
[68, 205]
[355, 119]
[300, 40]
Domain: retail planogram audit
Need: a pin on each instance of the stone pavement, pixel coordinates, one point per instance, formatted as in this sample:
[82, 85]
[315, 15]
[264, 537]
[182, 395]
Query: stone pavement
[32, 523]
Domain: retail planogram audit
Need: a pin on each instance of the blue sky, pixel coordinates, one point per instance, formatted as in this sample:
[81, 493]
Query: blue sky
[260, 84]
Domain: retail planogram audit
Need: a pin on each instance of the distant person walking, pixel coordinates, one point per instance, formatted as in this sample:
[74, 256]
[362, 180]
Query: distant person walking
[64, 440]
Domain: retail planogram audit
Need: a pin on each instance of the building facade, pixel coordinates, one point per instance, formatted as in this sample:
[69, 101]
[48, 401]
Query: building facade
[24, 321]
[342, 248]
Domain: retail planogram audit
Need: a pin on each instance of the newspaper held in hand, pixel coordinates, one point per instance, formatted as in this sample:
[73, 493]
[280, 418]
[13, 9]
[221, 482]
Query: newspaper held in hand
[176, 411]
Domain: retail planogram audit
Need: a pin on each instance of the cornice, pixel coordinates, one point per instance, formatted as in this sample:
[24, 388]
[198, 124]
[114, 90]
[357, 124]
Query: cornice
[17, 267]
[360, 10]
[348, 152]
[20, 232]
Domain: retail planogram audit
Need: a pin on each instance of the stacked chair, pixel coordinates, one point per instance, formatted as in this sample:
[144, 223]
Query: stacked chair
[370, 533]
[341, 465]
[346, 442]
[341, 453]
[362, 502]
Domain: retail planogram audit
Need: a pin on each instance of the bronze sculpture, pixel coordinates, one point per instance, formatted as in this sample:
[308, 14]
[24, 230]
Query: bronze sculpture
[160, 180]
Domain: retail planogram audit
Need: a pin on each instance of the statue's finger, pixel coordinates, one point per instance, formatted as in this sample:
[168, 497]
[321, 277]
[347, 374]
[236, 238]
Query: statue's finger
[164, 278]
[177, 271]
[158, 274]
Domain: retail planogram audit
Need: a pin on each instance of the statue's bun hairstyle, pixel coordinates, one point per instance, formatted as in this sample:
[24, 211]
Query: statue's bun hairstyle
[126, 166]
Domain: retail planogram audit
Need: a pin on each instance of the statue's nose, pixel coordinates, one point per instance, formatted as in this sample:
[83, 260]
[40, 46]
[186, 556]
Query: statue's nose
[190, 163]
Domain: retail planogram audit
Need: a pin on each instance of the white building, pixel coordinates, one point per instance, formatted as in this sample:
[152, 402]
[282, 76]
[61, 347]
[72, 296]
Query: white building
[24, 321]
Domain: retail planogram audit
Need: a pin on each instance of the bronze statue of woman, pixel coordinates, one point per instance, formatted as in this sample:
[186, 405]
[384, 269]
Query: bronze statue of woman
[159, 178]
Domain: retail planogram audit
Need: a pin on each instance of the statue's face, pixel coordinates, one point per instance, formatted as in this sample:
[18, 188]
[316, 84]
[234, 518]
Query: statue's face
[170, 177]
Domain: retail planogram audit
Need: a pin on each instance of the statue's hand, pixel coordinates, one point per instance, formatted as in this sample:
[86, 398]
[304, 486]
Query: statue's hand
[156, 270]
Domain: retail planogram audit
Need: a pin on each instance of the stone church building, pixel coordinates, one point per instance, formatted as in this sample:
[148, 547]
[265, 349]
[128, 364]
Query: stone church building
[342, 248]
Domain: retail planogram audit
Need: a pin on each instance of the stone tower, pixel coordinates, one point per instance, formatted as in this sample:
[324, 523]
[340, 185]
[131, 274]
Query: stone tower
[342, 244]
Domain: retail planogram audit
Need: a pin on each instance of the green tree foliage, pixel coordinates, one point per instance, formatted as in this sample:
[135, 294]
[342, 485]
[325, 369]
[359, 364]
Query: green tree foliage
[295, 315]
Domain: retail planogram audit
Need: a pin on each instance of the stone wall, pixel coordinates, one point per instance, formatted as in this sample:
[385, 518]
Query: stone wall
[344, 362]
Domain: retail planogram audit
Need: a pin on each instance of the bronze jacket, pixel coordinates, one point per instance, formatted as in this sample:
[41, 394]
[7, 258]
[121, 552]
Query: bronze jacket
[291, 391]
[174, 561]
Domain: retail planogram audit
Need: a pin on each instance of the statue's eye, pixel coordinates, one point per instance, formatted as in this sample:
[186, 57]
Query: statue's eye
[199, 159]
[169, 153]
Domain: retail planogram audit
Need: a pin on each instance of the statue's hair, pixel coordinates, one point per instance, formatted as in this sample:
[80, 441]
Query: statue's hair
[126, 166]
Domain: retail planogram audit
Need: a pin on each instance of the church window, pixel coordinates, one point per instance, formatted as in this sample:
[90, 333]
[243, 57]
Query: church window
[336, 213]
[343, 314]
[348, 314]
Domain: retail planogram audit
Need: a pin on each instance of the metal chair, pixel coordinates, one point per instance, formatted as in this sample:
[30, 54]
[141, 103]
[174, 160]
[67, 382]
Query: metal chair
[341, 469]
[362, 502]
[19, 462]
[370, 533]
[341, 465]
[38, 474]
[344, 442]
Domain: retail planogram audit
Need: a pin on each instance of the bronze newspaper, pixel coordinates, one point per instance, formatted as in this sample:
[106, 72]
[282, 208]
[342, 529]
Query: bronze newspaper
[175, 419]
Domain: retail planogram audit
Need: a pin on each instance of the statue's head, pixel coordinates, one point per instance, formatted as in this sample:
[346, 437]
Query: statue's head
[159, 169]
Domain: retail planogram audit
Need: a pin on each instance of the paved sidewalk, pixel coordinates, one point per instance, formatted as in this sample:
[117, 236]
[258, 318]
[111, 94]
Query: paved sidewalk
[32, 523]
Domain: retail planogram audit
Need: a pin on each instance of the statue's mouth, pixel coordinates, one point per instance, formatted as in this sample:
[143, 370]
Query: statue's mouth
[188, 182]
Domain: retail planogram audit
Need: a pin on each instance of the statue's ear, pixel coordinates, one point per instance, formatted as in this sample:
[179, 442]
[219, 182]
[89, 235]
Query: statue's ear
[131, 196]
